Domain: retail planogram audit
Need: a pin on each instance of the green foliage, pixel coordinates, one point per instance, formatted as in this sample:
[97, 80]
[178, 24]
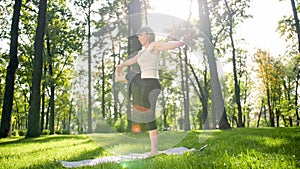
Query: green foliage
[66, 33]
[120, 125]
[46, 132]
[14, 133]
[221, 22]
[103, 126]
[18, 133]
[65, 132]
[22, 132]
[57, 131]
[279, 81]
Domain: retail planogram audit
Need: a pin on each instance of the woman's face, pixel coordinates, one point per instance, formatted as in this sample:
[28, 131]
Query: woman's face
[143, 38]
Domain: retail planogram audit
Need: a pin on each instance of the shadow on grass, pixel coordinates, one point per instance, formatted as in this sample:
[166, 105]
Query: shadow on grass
[53, 161]
[125, 143]
[41, 139]
[51, 164]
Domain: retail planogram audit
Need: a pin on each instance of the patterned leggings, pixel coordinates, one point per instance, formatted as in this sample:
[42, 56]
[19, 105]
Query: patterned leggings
[144, 97]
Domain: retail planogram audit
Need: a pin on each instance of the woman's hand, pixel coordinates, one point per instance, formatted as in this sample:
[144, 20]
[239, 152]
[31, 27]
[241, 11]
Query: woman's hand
[120, 66]
[188, 38]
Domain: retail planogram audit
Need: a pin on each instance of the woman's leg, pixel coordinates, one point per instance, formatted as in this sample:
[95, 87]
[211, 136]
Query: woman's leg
[150, 94]
[153, 134]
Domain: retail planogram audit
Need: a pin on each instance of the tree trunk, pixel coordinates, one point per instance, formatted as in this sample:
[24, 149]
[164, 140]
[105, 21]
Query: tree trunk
[164, 112]
[205, 101]
[52, 87]
[47, 116]
[277, 117]
[259, 115]
[89, 115]
[218, 109]
[51, 104]
[296, 97]
[270, 110]
[70, 117]
[236, 83]
[187, 125]
[43, 102]
[295, 13]
[103, 89]
[182, 88]
[134, 23]
[203, 96]
[6, 120]
[35, 98]
[115, 92]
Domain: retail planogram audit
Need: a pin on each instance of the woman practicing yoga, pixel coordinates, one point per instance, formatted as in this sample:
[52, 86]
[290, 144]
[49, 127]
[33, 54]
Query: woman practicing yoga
[146, 83]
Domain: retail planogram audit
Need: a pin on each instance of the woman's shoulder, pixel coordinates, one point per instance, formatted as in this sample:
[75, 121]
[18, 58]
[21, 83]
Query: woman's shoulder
[153, 47]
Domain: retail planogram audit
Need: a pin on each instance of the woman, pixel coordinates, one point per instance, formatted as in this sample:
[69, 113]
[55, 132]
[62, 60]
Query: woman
[147, 81]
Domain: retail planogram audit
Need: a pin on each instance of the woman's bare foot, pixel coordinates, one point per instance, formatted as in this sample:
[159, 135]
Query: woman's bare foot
[152, 154]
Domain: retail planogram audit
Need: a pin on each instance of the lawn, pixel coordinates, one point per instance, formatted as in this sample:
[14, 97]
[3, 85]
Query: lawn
[270, 148]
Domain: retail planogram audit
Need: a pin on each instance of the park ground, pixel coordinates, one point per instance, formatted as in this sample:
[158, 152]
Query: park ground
[270, 148]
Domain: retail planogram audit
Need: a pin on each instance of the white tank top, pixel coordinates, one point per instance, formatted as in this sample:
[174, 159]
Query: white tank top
[149, 64]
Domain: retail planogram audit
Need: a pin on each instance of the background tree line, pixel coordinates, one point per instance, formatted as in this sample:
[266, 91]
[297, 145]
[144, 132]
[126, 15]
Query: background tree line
[57, 73]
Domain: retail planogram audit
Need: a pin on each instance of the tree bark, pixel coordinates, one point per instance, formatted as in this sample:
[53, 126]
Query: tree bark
[187, 125]
[270, 109]
[296, 97]
[134, 23]
[6, 120]
[43, 102]
[89, 115]
[51, 101]
[296, 22]
[236, 83]
[52, 88]
[103, 88]
[295, 13]
[183, 90]
[202, 96]
[218, 109]
[35, 98]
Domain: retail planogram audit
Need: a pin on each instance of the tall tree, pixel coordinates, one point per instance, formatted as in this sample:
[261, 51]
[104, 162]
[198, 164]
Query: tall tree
[62, 41]
[6, 120]
[290, 28]
[296, 19]
[297, 69]
[134, 23]
[297, 81]
[86, 7]
[267, 72]
[218, 108]
[35, 97]
[90, 129]
[186, 95]
[231, 14]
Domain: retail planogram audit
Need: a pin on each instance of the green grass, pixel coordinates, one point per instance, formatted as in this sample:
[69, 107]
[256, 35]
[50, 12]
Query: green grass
[270, 148]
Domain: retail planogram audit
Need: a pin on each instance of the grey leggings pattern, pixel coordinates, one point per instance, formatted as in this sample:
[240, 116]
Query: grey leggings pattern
[144, 94]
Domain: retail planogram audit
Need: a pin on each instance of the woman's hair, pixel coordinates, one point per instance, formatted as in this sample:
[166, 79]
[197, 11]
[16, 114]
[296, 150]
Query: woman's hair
[148, 31]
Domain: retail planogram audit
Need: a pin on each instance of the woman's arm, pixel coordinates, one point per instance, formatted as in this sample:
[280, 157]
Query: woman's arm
[166, 45]
[130, 61]
[173, 44]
